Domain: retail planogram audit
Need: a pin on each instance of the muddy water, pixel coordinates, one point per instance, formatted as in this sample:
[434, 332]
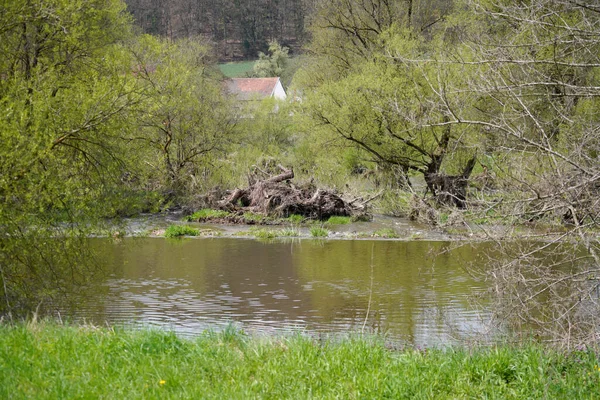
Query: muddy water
[416, 292]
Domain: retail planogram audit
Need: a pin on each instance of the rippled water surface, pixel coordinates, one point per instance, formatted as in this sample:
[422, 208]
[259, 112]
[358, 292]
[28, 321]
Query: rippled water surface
[417, 292]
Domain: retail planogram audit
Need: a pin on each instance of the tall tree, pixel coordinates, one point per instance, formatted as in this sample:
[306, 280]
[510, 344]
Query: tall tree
[186, 119]
[64, 95]
[237, 28]
[272, 64]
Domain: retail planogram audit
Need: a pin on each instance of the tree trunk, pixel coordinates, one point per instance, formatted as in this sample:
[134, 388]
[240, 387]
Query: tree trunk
[450, 189]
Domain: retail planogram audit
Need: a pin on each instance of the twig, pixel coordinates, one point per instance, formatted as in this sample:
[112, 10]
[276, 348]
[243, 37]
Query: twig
[370, 292]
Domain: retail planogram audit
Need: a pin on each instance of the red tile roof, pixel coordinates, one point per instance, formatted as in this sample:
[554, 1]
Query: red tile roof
[252, 88]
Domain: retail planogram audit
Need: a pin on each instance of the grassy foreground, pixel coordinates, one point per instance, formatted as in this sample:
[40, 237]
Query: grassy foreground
[49, 361]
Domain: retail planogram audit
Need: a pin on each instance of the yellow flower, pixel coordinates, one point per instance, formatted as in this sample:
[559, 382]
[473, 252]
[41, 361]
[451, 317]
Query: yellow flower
[162, 382]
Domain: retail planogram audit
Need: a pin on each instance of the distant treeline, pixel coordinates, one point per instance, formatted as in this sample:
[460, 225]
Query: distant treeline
[238, 29]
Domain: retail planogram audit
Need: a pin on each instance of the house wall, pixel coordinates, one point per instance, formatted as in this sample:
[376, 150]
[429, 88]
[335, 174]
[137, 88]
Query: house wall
[278, 92]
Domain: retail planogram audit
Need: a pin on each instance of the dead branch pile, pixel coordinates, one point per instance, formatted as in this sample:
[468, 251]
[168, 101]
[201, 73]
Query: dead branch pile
[276, 196]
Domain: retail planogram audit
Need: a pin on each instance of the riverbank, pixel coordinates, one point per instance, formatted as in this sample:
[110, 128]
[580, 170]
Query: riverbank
[46, 360]
[379, 227]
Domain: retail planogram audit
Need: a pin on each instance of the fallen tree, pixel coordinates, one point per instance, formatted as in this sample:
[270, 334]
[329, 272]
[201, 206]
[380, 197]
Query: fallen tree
[277, 196]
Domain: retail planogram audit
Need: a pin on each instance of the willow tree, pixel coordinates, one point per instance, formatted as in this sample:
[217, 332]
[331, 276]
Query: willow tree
[391, 111]
[185, 124]
[65, 90]
[384, 108]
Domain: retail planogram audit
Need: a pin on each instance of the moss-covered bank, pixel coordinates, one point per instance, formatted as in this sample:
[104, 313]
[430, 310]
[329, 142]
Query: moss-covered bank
[50, 361]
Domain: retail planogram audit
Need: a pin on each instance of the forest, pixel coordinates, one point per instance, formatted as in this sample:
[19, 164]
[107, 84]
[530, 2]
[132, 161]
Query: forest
[449, 112]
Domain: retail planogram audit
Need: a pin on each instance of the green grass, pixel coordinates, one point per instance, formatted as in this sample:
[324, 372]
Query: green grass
[206, 213]
[295, 219]
[47, 361]
[264, 233]
[317, 231]
[267, 234]
[174, 231]
[237, 69]
[288, 232]
[337, 220]
[254, 218]
[387, 233]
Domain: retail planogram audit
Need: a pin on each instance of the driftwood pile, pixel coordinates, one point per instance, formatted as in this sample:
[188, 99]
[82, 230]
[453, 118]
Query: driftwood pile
[276, 196]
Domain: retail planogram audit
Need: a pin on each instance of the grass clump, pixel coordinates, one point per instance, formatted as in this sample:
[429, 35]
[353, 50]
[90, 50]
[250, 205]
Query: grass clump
[317, 231]
[386, 233]
[263, 233]
[288, 232]
[253, 218]
[207, 213]
[47, 361]
[174, 231]
[339, 220]
[267, 234]
[295, 219]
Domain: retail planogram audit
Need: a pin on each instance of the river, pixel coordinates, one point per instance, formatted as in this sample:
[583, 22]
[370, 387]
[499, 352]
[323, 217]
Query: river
[414, 292]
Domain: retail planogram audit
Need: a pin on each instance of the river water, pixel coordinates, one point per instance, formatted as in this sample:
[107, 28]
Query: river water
[414, 292]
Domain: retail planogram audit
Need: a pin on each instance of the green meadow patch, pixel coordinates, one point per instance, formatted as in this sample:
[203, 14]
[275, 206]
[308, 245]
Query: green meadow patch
[241, 69]
[49, 361]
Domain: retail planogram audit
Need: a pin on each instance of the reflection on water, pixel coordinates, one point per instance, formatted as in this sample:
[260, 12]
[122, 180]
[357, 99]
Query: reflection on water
[415, 292]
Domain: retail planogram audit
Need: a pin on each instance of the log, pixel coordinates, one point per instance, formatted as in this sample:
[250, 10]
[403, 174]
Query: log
[285, 176]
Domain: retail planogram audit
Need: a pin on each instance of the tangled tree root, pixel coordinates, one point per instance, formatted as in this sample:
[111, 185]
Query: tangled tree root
[277, 197]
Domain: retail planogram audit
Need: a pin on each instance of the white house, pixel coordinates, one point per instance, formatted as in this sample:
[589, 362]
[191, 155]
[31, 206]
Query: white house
[256, 88]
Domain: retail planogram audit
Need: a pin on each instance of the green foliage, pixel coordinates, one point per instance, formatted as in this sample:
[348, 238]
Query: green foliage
[253, 218]
[338, 220]
[387, 233]
[207, 214]
[317, 231]
[175, 231]
[295, 219]
[186, 122]
[269, 132]
[49, 361]
[288, 232]
[364, 111]
[262, 233]
[268, 234]
[273, 64]
[66, 97]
